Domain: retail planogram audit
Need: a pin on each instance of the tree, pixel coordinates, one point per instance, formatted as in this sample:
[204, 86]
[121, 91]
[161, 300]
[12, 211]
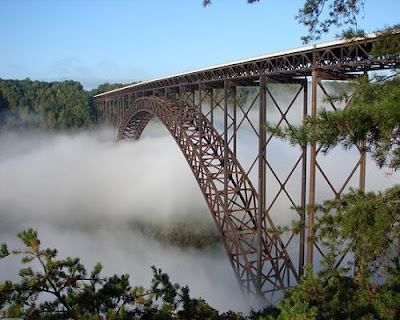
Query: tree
[208, 2]
[371, 117]
[62, 289]
[106, 87]
[366, 227]
[339, 13]
[46, 105]
[362, 226]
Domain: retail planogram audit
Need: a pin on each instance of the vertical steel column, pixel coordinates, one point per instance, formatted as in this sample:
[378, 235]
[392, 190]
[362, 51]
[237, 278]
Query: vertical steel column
[101, 115]
[119, 115]
[166, 91]
[200, 123]
[234, 121]
[363, 165]
[104, 111]
[181, 96]
[119, 109]
[261, 175]
[124, 106]
[212, 106]
[108, 111]
[303, 187]
[226, 137]
[313, 156]
[113, 105]
[201, 89]
[363, 159]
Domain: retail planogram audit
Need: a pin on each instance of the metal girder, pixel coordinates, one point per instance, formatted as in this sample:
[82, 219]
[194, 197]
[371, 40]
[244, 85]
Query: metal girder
[189, 106]
[249, 236]
[338, 57]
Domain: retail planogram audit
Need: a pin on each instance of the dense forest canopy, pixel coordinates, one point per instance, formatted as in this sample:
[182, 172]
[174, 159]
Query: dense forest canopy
[47, 105]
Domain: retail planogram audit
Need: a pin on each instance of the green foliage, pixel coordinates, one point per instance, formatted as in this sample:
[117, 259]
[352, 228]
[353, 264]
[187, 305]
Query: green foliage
[319, 20]
[340, 12]
[372, 116]
[3, 250]
[351, 33]
[107, 87]
[268, 313]
[49, 105]
[365, 226]
[182, 232]
[388, 44]
[208, 2]
[51, 288]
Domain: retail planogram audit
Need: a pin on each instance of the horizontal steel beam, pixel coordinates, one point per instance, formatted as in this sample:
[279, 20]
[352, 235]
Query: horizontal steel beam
[335, 58]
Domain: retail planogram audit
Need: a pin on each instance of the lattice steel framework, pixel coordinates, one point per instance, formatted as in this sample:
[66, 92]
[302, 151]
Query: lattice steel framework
[188, 105]
[255, 250]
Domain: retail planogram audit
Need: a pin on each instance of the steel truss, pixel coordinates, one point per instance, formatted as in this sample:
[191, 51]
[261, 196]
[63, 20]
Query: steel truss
[188, 105]
[257, 253]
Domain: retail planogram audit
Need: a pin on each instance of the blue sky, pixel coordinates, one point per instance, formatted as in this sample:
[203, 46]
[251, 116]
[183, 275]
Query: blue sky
[97, 41]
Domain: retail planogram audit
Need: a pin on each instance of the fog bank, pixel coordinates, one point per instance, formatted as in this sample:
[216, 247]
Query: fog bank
[80, 191]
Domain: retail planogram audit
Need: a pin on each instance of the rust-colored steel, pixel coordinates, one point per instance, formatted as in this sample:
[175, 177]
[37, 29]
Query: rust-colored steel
[336, 58]
[191, 106]
[230, 196]
[313, 166]
[303, 201]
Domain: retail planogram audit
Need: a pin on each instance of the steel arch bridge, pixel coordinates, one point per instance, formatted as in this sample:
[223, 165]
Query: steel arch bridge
[187, 104]
[259, 259]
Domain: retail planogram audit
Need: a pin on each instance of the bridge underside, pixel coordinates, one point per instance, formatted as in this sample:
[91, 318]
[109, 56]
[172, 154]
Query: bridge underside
[258, 255]
[210, 112]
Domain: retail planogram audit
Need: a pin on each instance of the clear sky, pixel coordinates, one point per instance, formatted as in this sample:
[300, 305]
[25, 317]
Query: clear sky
[97, 41]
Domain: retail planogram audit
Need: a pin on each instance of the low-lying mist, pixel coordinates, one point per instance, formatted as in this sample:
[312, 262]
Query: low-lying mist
[83, 191]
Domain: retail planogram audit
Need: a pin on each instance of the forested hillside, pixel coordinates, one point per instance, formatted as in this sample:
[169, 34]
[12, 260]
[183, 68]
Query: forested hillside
[47, 105]
[184, 232]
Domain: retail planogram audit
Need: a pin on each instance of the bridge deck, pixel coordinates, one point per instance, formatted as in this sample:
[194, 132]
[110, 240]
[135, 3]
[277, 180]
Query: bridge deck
[335, 59]
[245, 209]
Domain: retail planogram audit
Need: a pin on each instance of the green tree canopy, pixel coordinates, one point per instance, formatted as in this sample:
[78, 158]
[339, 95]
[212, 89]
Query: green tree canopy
[320, 15]
[372, 117]
[47, 105]
[51, 288]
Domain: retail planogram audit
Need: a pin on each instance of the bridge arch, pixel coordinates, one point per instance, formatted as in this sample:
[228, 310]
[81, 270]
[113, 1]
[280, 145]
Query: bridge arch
[256, 252]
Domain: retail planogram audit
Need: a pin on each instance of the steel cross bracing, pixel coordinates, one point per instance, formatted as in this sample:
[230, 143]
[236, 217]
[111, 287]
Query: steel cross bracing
[230, 196]
[332, 59]
[204, 113]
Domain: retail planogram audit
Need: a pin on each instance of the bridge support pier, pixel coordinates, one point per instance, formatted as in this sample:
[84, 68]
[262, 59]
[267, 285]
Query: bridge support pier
[262, 137]
[203, 113]
[303, 201]
[313, 168]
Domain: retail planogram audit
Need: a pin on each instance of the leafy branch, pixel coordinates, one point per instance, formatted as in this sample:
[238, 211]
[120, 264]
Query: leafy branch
[63, 289]
[340, 12]
[372, 116]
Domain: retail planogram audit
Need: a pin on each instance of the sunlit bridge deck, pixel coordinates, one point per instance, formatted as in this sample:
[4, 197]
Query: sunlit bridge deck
[333, 58]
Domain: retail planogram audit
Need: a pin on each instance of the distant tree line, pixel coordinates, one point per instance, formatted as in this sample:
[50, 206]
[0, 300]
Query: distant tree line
[186, 232]
[47, 105]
